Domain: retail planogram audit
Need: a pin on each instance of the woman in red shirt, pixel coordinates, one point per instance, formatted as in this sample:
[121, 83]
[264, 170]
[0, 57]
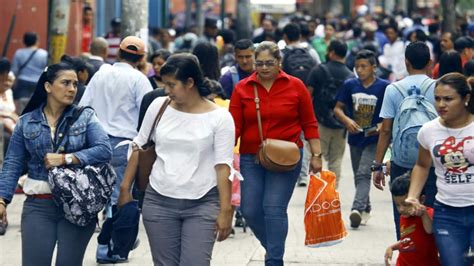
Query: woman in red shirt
[286, 110]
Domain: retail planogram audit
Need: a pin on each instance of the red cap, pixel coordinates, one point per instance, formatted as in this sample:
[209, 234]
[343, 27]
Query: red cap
[133, 45]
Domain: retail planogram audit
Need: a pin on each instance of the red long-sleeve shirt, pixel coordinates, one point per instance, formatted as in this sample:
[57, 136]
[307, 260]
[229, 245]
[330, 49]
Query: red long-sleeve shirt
[286, 110]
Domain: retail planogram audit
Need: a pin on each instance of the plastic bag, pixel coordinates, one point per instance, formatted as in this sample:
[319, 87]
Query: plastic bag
[235, 197]
[323, 221]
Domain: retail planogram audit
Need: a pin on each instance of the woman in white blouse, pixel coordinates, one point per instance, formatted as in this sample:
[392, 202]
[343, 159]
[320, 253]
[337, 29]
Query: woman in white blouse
[188, 201]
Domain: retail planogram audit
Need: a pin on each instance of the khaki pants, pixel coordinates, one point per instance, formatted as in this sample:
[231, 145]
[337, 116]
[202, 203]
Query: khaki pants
[333, 143]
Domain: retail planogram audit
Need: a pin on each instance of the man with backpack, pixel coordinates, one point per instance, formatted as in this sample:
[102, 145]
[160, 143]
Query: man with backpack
[407, 105]
[324, 82]
[244, 56]
[298, 59]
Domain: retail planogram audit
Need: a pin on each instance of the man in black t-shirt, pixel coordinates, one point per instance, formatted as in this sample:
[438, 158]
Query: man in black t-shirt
[324, 81]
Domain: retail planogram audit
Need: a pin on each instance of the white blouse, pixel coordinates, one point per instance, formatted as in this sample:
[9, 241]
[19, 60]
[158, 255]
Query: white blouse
[188, 147]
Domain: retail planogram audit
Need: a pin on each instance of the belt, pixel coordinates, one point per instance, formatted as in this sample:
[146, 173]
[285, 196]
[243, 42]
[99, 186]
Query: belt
[40, 196]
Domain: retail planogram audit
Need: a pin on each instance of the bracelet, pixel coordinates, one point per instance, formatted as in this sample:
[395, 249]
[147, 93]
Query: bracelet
[2, 202]
[317, 155]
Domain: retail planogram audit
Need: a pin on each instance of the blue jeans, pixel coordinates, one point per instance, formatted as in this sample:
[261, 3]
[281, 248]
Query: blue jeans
[265, 196]
[119, 162]
[453, 228]
[429, 191]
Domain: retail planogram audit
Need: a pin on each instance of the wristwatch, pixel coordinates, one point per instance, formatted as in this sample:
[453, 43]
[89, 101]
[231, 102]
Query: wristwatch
[376, 166]
[68, 159]
[319, 155]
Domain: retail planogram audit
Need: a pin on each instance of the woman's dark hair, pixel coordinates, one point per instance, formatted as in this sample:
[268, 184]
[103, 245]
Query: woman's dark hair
[216, 88]
[461, 85]
[208, 57]
[184, 66]
[450, 61]
[50, 74]
[401, 185]
[162, 53]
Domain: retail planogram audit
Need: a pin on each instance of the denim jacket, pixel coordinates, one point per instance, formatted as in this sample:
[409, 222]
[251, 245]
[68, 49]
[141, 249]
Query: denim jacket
[31, 141]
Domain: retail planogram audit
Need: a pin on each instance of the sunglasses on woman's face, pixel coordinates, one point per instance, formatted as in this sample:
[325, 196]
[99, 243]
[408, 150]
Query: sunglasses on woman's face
[269, 63]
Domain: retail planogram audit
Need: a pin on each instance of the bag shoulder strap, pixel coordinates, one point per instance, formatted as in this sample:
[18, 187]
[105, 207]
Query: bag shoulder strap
[26, 62]
[257, 106]
[425, 85]
[234, 73]
[400, 89]
[158, 117]
[77, 113]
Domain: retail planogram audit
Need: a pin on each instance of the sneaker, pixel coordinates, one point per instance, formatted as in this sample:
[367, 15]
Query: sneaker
[365, 217]
[355, 218]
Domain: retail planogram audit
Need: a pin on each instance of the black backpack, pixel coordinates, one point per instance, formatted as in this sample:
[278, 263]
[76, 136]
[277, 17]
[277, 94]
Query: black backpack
[298, 62]
[325, 101]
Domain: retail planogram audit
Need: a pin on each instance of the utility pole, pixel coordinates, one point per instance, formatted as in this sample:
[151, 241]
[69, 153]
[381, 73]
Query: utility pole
[135, 19]
[189, 11]
[199, 17]
[244, 30]
[57, 29]
[449, 15]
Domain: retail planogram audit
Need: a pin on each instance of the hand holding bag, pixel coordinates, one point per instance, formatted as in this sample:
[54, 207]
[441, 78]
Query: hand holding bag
[147, 153]
[274, 154]
[81, 192]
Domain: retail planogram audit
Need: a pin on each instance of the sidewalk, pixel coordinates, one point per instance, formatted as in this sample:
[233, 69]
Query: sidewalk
[365, 246]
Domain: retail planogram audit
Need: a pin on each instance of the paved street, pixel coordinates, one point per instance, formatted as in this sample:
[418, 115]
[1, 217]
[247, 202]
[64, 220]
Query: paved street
[364, 246]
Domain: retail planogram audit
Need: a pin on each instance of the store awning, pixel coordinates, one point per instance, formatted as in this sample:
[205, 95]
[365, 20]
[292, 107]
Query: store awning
[274, 6]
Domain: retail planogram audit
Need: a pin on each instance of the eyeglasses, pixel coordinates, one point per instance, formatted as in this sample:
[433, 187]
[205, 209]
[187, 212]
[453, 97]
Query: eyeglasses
[269, 63]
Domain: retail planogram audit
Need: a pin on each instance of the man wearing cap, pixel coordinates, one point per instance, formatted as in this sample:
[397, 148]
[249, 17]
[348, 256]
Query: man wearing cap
[115, 92]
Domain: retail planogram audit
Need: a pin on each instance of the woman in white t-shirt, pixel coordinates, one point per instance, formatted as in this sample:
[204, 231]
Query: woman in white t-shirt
[448, 143]
[187, 204]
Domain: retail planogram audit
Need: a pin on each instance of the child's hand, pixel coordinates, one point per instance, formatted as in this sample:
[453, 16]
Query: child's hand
[388, 256]
[417, 209]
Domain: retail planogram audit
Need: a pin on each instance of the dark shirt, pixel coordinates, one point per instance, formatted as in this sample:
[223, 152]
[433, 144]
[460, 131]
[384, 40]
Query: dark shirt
[226, 80]
[318, 80]
[146, 101]
[153, 83]
[363, 106]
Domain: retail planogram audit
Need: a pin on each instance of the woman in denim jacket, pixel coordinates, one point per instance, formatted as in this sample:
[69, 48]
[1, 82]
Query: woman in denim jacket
[33, 146]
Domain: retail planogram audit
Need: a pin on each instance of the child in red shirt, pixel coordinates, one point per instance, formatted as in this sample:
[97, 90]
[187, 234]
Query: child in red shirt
[417, 244]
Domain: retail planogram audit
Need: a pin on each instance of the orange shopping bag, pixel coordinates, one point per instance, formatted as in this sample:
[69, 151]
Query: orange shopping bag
[323, 221]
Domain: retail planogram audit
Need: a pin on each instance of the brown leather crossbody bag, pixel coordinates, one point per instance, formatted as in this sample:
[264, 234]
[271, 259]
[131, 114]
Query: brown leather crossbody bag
[274, 154]
[147, 153]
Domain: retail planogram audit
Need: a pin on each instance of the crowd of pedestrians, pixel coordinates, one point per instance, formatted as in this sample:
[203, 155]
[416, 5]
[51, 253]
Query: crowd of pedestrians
[398, 90]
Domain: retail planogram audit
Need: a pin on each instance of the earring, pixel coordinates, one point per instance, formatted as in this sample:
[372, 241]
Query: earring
[466, 104]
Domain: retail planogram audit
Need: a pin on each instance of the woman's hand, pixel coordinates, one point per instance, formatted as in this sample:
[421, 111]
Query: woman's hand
[417, 209]
[224, 224]
[316, 164]
[53, 159]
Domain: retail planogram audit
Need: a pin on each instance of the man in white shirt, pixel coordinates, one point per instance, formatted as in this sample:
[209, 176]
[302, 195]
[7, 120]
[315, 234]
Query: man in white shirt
[393, 56]
[115, 92]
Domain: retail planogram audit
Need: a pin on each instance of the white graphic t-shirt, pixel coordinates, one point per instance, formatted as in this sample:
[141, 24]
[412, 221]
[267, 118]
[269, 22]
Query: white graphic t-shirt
[452, 152]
